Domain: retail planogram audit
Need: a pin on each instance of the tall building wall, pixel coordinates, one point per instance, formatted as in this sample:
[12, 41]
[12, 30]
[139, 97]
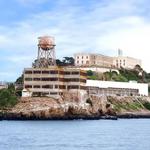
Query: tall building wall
[126, 62]
[88, 60]
[121, 88]
[53, 80]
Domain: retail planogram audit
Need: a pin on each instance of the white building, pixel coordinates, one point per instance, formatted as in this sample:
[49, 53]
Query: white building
[120, 88]
[89, 59]
[98, 60]
[126, 62]
[3, 85]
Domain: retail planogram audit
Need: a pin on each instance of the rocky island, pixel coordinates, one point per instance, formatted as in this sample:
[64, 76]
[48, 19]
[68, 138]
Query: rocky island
[104, 107]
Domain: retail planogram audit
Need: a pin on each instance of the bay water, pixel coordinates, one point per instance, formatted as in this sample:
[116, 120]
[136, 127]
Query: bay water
[121, 134]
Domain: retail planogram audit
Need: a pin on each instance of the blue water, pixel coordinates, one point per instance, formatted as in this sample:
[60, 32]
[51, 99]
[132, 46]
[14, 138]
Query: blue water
[122, 134]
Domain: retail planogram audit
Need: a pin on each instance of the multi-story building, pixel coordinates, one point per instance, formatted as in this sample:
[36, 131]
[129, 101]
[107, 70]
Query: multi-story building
[87, 59]
[53, 81]
[126, 62]
[98, 60]
[3, 85]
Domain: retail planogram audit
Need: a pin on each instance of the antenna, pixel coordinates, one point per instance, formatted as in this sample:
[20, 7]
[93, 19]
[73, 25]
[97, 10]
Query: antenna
[120, 52]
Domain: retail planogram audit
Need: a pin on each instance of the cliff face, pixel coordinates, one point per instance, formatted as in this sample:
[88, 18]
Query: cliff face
[128, 107]
[70, 107]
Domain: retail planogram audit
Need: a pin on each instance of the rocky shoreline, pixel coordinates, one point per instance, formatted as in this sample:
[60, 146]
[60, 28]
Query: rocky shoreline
[93, 108]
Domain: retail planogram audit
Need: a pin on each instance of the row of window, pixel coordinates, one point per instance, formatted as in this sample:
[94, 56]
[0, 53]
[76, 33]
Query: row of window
[55, 87]
[51, 72]
[55, 72]
[82, 57]
[121, 62]
[57, 79]
[87, 62]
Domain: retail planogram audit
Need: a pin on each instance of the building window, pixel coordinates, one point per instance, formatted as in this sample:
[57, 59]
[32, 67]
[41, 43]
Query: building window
[62, 87]
[28, 79]
[45, 72]
[77, 57]
[49, 79]
[37, 72]
[67, 73]
[28, 72]
[124, 62]
[83, 80]
[36, 86]
[53, 72]
[83, 74]
[56, 86]
[86, 57]
[36, 79]
[77, 62]
[28, 86]
[116, 62]
[82, 62]
[75, 73]
[47, 86]
[87, 62]
[73, 87]
[53, 93]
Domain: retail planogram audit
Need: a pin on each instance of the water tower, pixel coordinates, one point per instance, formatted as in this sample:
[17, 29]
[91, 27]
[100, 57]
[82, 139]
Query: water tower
[46, 52]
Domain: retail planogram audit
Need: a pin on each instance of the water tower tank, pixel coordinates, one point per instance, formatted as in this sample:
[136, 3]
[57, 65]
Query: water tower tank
[46, 43]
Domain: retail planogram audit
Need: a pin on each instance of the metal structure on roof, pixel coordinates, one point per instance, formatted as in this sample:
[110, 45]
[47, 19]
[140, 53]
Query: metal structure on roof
[46, 52]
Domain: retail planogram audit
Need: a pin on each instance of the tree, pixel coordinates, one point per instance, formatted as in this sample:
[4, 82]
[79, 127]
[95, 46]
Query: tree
[90, 73]
[59, 62]
[19, 80]
[68, 61]
[7, 98]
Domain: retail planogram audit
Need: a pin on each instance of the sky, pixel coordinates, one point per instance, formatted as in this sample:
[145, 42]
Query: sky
[97, 26]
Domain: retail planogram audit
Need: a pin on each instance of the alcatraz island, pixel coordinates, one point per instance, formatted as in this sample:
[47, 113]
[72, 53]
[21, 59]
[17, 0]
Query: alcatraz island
[86, 86]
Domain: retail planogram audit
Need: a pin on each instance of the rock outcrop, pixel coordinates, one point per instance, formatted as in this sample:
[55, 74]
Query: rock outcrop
[70, 107]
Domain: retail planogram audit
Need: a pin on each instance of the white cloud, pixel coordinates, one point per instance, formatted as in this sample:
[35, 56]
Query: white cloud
[104, 28]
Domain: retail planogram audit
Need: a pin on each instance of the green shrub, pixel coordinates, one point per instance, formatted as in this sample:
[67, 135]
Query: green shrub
[7, 98]
[146, 105]
[90, 73]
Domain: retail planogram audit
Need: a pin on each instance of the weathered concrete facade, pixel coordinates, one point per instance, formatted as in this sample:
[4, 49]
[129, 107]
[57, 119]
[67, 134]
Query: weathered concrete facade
[89, 59]
[116, 88]
[126, 62]
[53, 81]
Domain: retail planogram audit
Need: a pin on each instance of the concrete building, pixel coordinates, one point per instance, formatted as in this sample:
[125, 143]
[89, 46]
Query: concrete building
[126, 62]
[47, 79]
[53, 81]
[3, 85]
[98, 60]
[116, 88]
[87, 59]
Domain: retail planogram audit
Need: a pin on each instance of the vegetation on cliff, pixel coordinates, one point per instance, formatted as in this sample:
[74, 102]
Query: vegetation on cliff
[124, 75]
[8, 97]
[129, 104]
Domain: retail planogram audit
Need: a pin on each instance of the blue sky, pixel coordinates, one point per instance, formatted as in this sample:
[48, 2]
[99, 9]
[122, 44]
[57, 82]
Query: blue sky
[100, 26]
